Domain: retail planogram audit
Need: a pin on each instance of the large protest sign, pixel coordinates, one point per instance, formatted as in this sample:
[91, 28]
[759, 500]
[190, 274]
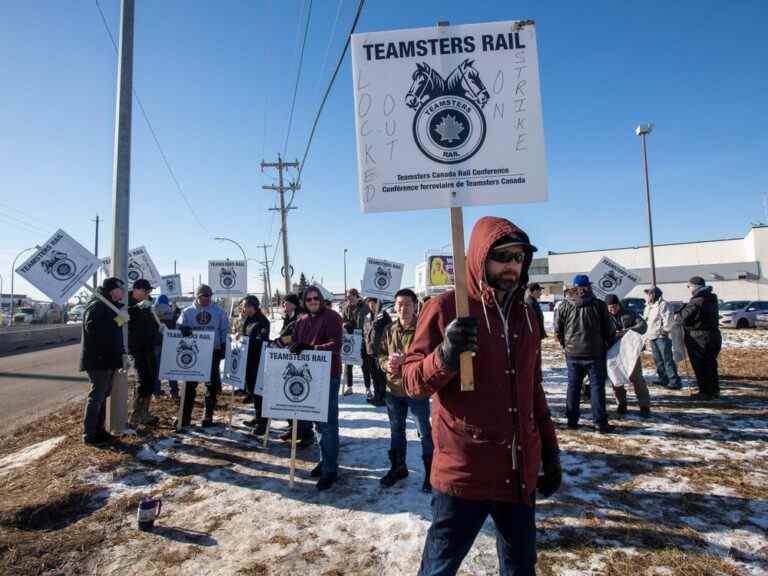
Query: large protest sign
[440, 271]
[351, 348]
[140, 265]
[448, 116]
[236, 361]
[382, 278]
[258, 388]
[610, 277]
[296, 385]
[228, 277]
[622, 357]
[171, 285]
[186, 358]
[59, 267]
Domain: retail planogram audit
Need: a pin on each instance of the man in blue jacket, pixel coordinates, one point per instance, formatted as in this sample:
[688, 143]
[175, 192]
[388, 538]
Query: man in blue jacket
[205, 316]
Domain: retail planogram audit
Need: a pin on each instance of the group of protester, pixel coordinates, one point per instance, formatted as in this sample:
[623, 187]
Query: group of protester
[485, 452]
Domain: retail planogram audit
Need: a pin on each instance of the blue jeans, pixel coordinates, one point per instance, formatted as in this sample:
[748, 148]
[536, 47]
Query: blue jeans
[397, 410]
[456, 523]
[665, 362]
[579, 367]
[329, 432]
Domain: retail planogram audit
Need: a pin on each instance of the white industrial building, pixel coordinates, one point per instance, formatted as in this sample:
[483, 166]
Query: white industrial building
[736, 268]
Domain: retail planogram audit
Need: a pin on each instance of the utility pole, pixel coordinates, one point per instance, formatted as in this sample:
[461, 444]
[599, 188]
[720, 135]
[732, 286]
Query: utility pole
[96, 253]
[174, 267]
[287, 271]
[121, 193]
[642, 131]
[267, 281]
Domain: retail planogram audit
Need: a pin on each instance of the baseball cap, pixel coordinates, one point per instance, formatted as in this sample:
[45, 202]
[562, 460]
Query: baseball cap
[142, 284]
[581, 281]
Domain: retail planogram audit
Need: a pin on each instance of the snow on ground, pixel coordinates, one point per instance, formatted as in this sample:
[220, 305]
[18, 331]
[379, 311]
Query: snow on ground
[745, 338]
[677, 480]
[28, 454]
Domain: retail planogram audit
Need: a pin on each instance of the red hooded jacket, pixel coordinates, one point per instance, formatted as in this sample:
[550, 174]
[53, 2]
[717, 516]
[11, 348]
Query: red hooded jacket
[489, 442]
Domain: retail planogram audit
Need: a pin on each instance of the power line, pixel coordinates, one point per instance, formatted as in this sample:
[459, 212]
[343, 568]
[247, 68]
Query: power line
[298, 77]
[152, 131]
[360, 5]
[328, 46]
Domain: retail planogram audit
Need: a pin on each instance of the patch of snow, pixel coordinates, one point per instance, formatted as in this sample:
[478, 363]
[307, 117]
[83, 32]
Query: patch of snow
[29, 454]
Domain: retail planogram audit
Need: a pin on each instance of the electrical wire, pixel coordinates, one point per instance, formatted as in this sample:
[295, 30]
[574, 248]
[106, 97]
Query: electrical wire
[360, 5]
[153, 133]
[298, 77]
[328, 46]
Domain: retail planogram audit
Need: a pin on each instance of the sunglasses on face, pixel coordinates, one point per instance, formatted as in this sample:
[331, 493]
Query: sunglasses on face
[312, 299]
[506, 256]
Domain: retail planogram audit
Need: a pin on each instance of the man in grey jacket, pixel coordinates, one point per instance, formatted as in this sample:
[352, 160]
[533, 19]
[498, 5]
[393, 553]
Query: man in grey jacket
[658, 316]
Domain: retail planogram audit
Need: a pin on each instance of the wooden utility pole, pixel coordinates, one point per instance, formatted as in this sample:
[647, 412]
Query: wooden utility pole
[267, 282]
[286, 271]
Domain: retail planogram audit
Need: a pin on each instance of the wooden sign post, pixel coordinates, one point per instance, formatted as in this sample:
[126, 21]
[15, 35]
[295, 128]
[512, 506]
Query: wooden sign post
[462, 298]
[293, 450]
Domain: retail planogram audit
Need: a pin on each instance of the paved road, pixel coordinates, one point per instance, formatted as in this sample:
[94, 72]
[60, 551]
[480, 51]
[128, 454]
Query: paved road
[34, 383]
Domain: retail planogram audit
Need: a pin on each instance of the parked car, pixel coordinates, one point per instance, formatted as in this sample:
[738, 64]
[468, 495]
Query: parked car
[24, 316]
[75, 313]
[761, 320]
[741, 313]
[636, 305]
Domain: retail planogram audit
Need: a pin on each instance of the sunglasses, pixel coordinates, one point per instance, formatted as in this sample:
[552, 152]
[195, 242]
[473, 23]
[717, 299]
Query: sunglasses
[506, 256]
[312, 299]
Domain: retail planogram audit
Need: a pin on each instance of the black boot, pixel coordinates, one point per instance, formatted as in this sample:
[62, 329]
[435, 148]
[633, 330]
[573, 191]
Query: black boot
[427, 485]
[397, 471]
[189, 404]
[210, 406]
[261, 426]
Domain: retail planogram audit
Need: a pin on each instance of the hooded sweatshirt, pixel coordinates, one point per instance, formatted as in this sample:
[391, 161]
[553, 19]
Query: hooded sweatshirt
[488, 442]
[701, 313]
[211, 318]
[323, 331]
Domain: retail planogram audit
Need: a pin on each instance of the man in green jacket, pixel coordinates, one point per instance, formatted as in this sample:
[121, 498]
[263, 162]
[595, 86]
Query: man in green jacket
[397, 338]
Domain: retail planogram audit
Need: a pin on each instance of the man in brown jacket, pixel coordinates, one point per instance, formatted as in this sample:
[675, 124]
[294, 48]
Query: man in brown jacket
[394, 345]
[489, 443]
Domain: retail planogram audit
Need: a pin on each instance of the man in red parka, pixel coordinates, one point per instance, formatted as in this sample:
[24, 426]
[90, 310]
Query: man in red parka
[491, 442]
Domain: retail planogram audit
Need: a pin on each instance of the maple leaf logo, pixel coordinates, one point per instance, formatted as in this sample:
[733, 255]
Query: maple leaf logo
[449, 129]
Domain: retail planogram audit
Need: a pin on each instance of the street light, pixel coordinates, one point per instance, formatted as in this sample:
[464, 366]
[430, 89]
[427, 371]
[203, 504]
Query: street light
[13, 268]
[643, 130]
[345, 272]
[233, 242]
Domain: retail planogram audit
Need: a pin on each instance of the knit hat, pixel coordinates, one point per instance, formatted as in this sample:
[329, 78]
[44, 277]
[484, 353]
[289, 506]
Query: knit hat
[612, 299]
[581, 281]
[163, 299]
[204, 290]
[111, 283]
[696, 281]
[142, 284]
[293, 299]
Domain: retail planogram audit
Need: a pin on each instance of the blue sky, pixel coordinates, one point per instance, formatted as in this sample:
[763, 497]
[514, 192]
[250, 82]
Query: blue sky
[216, 80]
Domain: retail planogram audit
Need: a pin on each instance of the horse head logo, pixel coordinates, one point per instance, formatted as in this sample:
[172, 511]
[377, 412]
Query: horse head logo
[296, 382]
[382, 278]
[426, 85]
[186, 354]
[134, 271]
[227, 277]
[609, 281]
[234, 359]
[59, 265]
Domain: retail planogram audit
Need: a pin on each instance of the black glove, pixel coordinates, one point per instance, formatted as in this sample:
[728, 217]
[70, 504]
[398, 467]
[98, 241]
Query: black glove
[186, 331]
[298, 348]
[349, 327]
[549, 482]
[460, 336]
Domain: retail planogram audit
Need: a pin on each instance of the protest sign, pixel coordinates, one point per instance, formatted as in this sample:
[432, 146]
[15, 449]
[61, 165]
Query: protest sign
[228, 277]
[622, 357]
[448, 116]
[235, 361]
[351, 348]
[296, 385]
[171, 285]
[140, 265]
[610, 277]
[382, 278]
[186, 358]
[59, 268]
[258, 388]
[440, 271]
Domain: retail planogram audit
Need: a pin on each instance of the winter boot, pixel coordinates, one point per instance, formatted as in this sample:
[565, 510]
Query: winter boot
[210, 407]
[149, 420]
[261, 426]
[621, 409]
[426, 487]
[397, 471]
[136, 417]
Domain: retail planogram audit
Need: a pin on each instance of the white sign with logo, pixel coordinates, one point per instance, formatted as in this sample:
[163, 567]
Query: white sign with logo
[296, 385]
[186, 358]
[448, 116]
[382, 278]
[235, 361]
[610, 277]
[258, 388]
[140, 265]
[228, 277]
[351, 348]
[59, 267]
[171, 285]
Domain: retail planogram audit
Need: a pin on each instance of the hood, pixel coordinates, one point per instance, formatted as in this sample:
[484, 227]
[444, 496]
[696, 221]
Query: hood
[486, 231]
[703, 292]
